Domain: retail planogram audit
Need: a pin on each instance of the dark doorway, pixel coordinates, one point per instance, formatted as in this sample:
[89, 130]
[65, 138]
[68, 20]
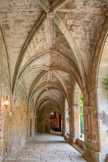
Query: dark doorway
[55, 121]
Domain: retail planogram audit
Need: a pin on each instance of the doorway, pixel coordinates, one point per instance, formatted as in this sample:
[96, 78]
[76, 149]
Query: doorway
[55, 121]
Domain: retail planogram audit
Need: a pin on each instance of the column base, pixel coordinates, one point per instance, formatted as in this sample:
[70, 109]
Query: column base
[70, 140]
[92, 155]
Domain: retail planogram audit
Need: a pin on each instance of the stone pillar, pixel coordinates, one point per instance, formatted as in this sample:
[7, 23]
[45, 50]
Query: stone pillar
[76, 112]
[102, 105]
[71, 126]
[66, 121]
[91, 149]
[63, 124]
[33, 124]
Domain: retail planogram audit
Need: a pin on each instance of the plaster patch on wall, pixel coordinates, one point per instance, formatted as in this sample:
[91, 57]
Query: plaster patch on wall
[104, 118]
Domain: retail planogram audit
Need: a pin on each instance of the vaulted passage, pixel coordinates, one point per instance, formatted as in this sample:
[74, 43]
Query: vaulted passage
[48, 148]
[54, 78]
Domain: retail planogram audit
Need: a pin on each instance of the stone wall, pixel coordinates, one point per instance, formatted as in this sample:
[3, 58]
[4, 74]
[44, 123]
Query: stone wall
[18, 128]
[15, 118]
[42, 54]
[4, 93]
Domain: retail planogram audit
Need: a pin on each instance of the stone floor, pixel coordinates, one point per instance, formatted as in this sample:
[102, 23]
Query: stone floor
[47, 148]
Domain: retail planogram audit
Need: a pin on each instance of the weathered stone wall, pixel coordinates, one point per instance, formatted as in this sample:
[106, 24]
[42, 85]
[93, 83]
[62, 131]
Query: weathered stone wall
[67, 37]
[14, 119]
[18, 128]
[17, 123]
[4, 92]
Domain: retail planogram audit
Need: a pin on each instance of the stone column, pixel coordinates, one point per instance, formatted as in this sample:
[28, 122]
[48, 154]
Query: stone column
[33, 123]
[71, 125]
[66, 121]
[63, 124]
[76, 112]
[91, 149]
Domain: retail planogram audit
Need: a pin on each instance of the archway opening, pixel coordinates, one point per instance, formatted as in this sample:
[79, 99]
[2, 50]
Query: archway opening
[102, 97]
[55, 121]
[81, 117]
[78, 114]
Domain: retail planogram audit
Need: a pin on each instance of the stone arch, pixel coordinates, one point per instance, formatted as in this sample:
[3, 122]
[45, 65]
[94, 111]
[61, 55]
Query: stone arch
[41, 103]
[51, 86]
[41, 88]
[72, 70]
[102, 96]
[72, 45]
[91, 109]
[64, 69]
[41, 93]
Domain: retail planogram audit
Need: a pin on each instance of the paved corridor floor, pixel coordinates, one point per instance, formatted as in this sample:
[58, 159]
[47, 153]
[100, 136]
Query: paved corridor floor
[48, 148]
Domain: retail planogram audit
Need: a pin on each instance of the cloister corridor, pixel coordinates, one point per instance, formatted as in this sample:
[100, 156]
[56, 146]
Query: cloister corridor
[47, 148]
[54, 79]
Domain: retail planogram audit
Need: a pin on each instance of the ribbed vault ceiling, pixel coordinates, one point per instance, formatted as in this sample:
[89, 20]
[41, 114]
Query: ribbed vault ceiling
[50, 44]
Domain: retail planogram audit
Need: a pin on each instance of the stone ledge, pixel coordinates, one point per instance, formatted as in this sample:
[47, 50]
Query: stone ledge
[92, 155]
[80, 142]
